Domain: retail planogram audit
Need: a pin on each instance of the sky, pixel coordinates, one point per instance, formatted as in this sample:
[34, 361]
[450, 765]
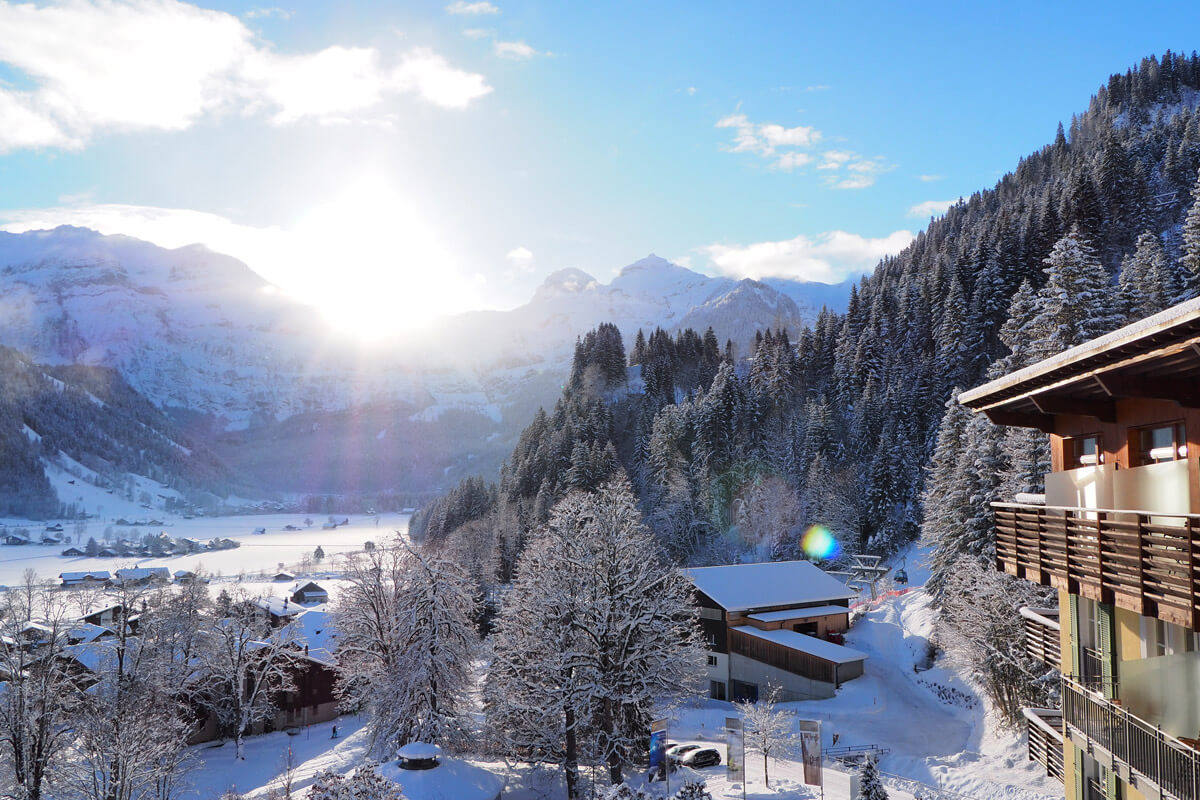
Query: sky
[405, 160]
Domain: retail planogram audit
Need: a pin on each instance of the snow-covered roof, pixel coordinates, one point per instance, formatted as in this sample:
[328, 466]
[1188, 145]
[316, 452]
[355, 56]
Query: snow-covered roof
[798, 613]
[87, 632]
[314, 628]
[741, 587]
[826, 651]
[419, 750]
[450, 779]
[143, 573]
[280, 606]
[99, 575]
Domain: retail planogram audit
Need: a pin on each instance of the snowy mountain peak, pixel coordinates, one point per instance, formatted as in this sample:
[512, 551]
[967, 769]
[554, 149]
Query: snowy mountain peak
[565, 281]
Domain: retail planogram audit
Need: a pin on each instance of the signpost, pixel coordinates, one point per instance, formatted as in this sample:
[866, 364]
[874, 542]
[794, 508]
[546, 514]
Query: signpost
[810, 748]
[735, 752]
[658, 752]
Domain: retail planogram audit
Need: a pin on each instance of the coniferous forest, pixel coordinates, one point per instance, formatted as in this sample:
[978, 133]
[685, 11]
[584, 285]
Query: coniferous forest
[851, 423]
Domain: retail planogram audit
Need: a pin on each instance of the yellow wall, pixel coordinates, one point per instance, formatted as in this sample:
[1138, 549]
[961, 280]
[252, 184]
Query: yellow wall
[1069, 791]
[1129, 635]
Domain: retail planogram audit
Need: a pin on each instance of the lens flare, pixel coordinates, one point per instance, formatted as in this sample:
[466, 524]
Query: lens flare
[818, 543]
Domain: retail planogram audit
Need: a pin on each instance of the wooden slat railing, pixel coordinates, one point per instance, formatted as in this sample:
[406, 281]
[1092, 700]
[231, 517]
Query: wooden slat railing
[1144, 561]
[1044, 726]
[1042, 641]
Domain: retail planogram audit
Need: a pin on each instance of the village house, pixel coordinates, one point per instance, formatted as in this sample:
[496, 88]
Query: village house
[309, 593]
[94, 578]
[771, 623]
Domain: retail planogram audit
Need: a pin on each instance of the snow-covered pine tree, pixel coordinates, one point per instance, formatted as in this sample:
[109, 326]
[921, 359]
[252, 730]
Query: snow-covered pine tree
[870, 783]
[1077, 303]
[945, 497]
[1190, 259]
[1148, 282]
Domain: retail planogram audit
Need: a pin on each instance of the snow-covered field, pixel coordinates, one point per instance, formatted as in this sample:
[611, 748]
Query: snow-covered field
[258, 553]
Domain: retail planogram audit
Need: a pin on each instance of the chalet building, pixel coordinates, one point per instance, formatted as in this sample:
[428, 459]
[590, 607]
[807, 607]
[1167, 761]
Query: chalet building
[94, 578]
[771, 623]
[73, 552]
[1118, 536]
[309, 593]
[141, 576]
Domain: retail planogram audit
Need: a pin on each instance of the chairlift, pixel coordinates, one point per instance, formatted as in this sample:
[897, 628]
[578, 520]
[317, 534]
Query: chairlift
[1165, 200]
[900, 576]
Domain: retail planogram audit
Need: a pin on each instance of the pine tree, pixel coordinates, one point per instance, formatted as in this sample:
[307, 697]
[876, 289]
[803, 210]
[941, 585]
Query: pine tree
[1147, 283]
[1190, 260]
[870, 784]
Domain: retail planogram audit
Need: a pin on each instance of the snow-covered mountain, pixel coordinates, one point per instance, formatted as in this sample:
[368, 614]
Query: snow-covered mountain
[201, 334]
[647, 294]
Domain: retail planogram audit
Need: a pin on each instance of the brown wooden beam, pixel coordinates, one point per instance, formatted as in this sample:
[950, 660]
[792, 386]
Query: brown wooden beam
[1103, 410]
[1183, 392]
[1043, 422]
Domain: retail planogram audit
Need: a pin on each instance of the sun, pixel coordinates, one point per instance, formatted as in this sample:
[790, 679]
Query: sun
[373, 265]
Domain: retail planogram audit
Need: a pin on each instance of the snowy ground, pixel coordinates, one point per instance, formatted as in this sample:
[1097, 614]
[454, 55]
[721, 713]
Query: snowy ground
[259, 553]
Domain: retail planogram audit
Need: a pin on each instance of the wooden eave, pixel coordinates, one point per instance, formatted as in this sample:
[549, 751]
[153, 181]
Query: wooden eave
[1157, 358]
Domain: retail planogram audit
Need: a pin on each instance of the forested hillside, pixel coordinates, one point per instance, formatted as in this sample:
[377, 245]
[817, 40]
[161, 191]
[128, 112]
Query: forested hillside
[93, 417]
[836, 424]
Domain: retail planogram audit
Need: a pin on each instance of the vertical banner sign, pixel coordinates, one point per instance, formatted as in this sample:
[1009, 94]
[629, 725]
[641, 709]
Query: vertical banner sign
[735, 751]
[658, 748]
[810, 747]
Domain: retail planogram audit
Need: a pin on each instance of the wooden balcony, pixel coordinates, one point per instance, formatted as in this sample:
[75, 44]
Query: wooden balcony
[1044, 726]
[1042, 641]
[1141, 754]
[1146, 562]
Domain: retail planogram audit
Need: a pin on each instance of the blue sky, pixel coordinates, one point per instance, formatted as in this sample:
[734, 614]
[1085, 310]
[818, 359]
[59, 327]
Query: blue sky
[450, 156]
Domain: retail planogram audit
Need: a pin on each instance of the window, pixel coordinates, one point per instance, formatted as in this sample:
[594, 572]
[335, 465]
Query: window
[1082, 451]
[1160, 443]
[712, 661]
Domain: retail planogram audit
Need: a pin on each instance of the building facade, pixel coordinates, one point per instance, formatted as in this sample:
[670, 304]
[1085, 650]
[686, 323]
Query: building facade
[1118, 535]
[774, 624]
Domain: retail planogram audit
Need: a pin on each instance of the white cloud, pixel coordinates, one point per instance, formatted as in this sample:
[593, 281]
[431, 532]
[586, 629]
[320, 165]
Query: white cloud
[520, 259]
[820, 87]
[830, 257]
[930, 208]
[780, 145]
[845, 169]
[929, 178]
[477, 33]
[471, 9]
[517, 51]
[691, 90]
[764, 138]
[165, 65]
[273, 11]
[792, 159]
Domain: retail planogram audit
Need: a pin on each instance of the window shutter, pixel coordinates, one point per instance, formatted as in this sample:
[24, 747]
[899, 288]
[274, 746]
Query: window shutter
[1108, 649]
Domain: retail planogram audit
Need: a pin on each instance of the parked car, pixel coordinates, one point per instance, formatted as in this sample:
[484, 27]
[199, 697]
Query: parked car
[700, 757]
[678, 751]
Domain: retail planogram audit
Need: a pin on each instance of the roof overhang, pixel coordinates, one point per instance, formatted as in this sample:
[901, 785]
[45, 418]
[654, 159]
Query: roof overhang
[1158, 358]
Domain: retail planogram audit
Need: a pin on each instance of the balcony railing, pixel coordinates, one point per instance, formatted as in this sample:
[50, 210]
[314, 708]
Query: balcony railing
[1042, 635]
[1146, 562]
[1141, 753]
[1046, 739]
